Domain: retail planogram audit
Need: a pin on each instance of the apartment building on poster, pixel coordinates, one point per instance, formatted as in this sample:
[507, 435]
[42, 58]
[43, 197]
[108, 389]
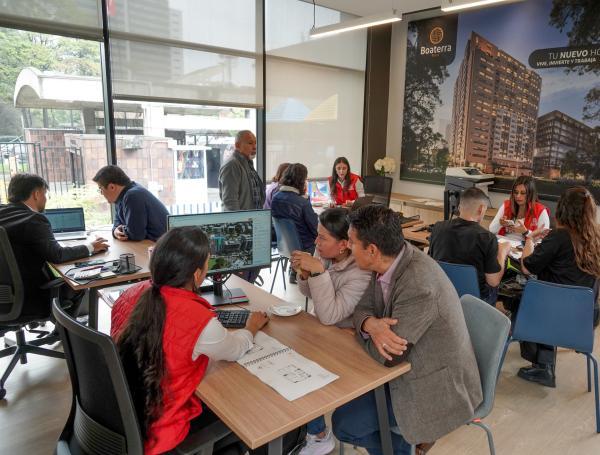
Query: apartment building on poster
[494, 112]
[557, 136]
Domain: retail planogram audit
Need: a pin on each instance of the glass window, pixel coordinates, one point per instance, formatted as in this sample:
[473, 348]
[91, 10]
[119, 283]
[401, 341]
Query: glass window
[49, 92]
[180, 152]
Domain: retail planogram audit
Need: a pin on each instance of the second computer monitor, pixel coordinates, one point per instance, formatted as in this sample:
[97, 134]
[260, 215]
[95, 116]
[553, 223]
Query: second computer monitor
[238, 240]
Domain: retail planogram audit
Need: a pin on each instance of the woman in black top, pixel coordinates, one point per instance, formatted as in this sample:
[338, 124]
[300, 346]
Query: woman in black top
[568, 255]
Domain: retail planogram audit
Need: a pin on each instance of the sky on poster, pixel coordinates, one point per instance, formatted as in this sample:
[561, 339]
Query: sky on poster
[519, 29]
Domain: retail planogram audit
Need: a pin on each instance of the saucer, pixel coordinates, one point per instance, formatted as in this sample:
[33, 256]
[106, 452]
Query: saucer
[285, 310]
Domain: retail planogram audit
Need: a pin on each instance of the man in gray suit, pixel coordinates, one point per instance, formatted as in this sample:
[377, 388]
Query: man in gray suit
[240, 186]
[410, 311]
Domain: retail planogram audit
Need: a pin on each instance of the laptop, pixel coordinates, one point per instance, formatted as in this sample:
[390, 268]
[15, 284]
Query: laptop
[67, 224]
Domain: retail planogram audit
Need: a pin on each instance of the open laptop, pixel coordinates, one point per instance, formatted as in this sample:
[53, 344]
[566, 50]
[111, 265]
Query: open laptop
[67, 224]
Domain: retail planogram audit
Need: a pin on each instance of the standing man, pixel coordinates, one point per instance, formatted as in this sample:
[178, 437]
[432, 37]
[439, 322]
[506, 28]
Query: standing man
[240, 186]
[139, 215]
[33, 243]
[462, 240]
[410, 311]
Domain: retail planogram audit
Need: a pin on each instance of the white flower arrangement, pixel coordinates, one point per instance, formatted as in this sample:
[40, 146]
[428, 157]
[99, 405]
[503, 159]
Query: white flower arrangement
[385, 165]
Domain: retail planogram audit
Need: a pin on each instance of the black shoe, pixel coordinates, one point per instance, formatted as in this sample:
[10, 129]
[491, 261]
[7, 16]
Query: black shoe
[542, 375]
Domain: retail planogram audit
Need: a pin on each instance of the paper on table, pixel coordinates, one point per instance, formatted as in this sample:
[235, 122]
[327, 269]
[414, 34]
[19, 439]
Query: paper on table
[283, 369]
[513, 243]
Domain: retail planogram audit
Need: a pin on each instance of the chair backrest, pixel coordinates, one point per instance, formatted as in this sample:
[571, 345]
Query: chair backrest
[380, 187]
[287, 236]
[488, 329]
[556, 314]
[463, 277]
[11, 285]
[103, 419]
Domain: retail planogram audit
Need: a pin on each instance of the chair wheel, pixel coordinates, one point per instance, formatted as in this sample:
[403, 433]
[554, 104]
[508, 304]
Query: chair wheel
[2, 393]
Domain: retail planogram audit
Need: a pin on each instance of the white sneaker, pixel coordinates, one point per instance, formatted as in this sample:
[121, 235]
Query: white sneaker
[318, 446]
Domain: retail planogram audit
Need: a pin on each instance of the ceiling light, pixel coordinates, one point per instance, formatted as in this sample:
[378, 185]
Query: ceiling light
[355, 24]
[456, 5]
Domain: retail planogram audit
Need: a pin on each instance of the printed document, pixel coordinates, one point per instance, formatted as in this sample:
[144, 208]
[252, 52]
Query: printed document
[283, 369]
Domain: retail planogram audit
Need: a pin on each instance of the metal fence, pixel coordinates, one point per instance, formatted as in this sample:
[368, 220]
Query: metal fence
[61, 167]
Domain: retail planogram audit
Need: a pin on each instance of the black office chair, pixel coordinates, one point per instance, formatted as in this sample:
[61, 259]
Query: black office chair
[380, 187]
[102, 420]
[12, 300]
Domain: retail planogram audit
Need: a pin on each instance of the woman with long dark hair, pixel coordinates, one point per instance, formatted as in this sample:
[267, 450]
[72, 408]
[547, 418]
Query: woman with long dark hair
[521, 214]
[570, 254]
[344, 186]
[165, 334]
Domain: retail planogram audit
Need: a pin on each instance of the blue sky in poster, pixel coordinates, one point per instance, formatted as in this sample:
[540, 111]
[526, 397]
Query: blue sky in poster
[519, 29]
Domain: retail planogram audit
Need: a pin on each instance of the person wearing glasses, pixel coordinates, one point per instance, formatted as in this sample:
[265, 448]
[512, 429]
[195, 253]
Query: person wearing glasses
[522, 214]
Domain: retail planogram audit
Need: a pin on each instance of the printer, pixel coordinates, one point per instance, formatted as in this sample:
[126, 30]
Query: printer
[459, 179]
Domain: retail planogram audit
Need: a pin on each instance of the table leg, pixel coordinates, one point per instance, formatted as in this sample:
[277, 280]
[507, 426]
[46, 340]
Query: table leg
[384, 423]
[93, 308]
[276, 446]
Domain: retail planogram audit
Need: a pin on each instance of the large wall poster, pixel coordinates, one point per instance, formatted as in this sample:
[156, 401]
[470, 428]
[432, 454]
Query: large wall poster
[513, 90]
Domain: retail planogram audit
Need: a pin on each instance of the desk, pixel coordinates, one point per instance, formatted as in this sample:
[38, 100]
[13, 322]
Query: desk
[420, 238]
[116, 248]
[259, 415]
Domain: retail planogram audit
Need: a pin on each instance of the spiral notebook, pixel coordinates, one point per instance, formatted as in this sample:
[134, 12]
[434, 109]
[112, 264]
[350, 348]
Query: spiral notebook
[283, 369]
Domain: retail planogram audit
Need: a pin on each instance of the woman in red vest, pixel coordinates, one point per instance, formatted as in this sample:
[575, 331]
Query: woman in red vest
[165, 334]
[522, 214]
[344, 186]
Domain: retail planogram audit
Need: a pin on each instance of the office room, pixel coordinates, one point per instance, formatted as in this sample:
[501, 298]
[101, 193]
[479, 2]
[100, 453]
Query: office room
[293, 226]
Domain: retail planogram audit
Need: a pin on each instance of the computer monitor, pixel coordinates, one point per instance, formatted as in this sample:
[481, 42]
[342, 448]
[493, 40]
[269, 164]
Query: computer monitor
[239, 241]
[318, 191]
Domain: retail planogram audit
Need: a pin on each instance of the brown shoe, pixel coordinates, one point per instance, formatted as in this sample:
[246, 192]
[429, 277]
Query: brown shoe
[423, 448]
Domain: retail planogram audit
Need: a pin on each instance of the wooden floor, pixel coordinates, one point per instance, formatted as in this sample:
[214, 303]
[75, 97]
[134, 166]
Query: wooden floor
[527, 419]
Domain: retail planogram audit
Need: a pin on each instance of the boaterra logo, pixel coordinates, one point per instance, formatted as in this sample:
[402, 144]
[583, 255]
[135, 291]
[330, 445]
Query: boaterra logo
[436, 35]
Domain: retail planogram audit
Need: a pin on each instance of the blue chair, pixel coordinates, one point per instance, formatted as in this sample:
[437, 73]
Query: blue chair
[287, 241]
[463, 277]
[488, 329]
[559, 315]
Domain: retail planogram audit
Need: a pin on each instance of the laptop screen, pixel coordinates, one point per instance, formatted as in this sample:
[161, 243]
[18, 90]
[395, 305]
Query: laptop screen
[318, 190]
[66, 220]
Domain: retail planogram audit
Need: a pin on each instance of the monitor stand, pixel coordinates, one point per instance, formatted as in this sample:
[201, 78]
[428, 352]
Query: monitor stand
[216, 295]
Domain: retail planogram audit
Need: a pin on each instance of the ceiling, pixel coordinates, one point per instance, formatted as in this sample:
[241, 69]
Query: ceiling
[368, 7]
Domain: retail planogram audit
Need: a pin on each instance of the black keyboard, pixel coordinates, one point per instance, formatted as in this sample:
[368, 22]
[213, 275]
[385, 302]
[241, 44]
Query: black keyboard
[233, 319]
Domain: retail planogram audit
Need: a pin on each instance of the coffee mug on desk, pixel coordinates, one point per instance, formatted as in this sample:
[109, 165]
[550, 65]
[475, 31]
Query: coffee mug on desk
[127, 263]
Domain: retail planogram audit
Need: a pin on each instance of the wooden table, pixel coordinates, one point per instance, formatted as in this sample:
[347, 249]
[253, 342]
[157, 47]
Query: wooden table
[259, 415]
[420, 238]
[116, 248]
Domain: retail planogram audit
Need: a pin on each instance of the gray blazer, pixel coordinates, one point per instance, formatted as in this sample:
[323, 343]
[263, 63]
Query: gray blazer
[235, 185]
[443, 388]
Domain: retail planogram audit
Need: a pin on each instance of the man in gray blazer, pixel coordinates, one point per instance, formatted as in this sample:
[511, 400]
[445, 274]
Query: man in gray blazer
[240, 186]
[410, 303]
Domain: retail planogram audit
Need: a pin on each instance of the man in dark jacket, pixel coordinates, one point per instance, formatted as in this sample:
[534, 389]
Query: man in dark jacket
[139, 215]
[33, 242]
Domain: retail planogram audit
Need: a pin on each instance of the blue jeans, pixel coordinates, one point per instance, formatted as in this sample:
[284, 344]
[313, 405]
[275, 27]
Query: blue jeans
[492, 295]
[356, 423]
[316, 426]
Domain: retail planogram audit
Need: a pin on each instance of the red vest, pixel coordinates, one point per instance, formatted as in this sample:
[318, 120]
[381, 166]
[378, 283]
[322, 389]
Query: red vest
[350, 194]
[186, 316]
[531, 221]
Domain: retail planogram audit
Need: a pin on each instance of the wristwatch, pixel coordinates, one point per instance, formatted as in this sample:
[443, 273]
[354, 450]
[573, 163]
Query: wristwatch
[527, 232]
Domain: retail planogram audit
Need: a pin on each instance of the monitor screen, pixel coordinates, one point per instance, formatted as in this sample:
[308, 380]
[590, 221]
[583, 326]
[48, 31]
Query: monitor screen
[238, 240]
[66, 220]
[318, 191]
